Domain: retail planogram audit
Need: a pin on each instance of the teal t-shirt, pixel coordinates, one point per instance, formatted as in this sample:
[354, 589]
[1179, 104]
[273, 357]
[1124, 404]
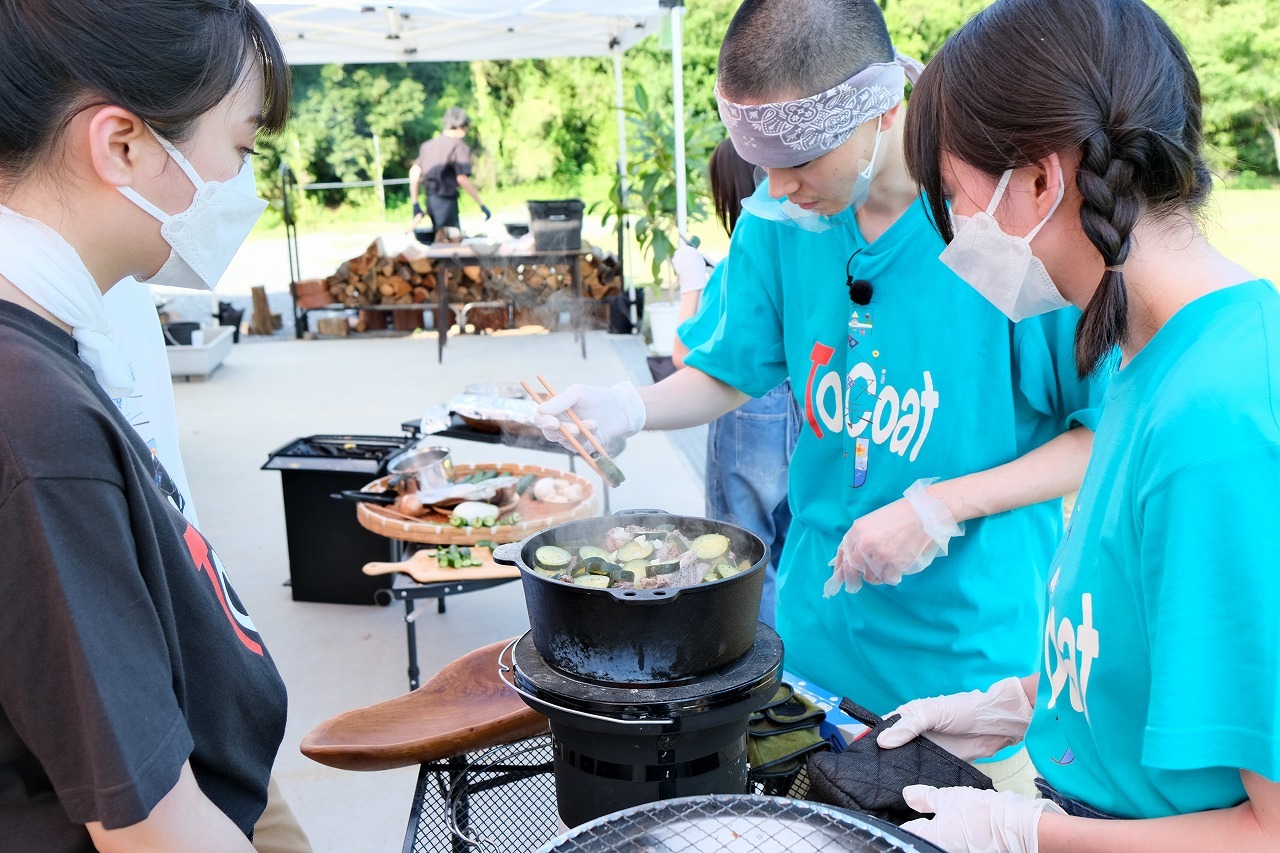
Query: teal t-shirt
[702, 325]
[928, 380]
[1161, 650]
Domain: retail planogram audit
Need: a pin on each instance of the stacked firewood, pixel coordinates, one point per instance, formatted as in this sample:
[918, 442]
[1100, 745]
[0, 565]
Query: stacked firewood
[374, 278]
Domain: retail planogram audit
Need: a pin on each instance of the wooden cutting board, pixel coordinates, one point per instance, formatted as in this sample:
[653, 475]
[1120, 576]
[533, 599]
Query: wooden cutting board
[425, 568]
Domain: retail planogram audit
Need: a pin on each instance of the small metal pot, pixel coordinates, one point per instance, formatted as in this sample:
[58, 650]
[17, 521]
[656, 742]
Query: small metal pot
[430, 468]
[632, 636]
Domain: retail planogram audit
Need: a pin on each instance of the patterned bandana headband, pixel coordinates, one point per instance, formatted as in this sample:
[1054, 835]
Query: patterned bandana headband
[788, 133]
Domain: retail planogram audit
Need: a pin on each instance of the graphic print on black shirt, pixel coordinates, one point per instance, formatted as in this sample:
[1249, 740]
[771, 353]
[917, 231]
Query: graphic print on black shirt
[206, 560]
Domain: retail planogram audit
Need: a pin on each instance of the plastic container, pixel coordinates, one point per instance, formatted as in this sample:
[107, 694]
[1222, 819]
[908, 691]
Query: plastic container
[556, 225]
[663, 321]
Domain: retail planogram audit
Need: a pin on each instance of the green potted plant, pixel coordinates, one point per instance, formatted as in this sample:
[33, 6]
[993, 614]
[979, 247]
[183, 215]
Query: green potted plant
[650, 198]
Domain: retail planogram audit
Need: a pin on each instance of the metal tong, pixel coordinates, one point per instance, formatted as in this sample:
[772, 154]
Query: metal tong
[600, 462]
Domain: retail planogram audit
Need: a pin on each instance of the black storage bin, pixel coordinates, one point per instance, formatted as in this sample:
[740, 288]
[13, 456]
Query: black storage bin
[556, 225]
[327, 545]
[179, 333]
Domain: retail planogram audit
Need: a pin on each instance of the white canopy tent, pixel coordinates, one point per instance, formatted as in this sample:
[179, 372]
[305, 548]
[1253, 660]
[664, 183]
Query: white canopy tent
[343, 31]
[340, 31]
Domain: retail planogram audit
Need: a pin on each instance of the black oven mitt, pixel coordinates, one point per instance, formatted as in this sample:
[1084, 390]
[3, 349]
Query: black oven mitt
[866, 778]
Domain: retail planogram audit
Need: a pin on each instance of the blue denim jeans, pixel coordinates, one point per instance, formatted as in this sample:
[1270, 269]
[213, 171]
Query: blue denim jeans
[748, 453]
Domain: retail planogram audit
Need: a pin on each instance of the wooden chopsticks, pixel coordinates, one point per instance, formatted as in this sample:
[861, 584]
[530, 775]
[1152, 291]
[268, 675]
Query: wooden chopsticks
[564, 430]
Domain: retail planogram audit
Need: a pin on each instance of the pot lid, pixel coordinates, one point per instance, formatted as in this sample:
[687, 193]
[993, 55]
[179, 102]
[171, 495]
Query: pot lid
[736, 823]
[757, 670]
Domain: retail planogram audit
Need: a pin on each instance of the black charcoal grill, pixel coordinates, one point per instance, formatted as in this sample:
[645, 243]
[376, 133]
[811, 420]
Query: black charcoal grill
[624, 745]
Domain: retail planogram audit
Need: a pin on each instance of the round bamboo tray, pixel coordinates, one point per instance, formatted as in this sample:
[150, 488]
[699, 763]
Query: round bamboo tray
[535, 516]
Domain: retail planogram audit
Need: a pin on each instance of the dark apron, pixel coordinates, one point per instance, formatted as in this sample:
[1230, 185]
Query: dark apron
[1075, 808]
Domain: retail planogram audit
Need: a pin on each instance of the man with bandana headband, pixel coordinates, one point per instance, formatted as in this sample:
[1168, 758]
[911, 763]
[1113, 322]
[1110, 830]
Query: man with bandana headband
[937, 438]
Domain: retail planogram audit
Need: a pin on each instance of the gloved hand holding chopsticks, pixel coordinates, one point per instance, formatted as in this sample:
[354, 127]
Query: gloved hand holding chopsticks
[613, 414]
[898, 539]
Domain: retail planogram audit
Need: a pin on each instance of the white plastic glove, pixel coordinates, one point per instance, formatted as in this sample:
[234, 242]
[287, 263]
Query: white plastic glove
[691, 269]
[612, 414]
[969, 819]
[898, 539]
[977, 724]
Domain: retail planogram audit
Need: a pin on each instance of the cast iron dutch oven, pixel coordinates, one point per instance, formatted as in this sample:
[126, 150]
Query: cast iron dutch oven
[640, 636]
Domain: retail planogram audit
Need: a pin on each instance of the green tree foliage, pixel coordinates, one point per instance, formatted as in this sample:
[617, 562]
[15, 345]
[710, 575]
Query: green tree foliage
[554, 119]
[1235, 47]
[651, 178]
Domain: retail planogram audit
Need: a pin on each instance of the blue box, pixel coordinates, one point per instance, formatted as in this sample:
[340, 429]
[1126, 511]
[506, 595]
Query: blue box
[838, 729]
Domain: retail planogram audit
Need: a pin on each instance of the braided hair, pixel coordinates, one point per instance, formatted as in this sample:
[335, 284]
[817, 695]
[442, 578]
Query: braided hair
[1106, 78]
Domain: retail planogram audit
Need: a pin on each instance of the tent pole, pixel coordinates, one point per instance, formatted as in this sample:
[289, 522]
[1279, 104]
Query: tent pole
[677, 85]
[623, 224]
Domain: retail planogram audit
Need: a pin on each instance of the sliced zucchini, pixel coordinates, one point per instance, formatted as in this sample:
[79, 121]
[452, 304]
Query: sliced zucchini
[677, 543]
[635, 571]
[663, 567]
[710, 546]
[601, 566]
[588, 551]
[726, 570]
[637, 549]
[548, 573]
[710, 577]
[551, 557]
[595, 581]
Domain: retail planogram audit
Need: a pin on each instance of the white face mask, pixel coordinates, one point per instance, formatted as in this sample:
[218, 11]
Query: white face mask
[204, 237]
[1000, 266]
[784, 210]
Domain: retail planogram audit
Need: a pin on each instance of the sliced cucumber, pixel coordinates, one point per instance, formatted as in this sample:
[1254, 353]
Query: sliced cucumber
[588, 551]
[710, 546]
[551, 557]
[594, 581]
[637, 549]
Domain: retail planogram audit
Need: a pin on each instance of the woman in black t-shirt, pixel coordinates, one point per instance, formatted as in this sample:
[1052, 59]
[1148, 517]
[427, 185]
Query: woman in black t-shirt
[139, 707]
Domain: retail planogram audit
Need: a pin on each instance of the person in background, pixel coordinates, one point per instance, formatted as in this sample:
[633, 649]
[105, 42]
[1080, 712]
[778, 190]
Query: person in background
[140, 707]
[131, 311]
[1155, 716]
[924, 406]
[444, 165]
[748, 449]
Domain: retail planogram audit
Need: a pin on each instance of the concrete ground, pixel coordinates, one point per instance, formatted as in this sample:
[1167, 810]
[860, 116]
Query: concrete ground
[338, 657]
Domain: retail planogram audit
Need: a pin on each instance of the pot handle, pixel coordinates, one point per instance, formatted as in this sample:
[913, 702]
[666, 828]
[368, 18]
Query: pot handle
[645, 511]
[503, 669]
[646, 596]
[508, 554]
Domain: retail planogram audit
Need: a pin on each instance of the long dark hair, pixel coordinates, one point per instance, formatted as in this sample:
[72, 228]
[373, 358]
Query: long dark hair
[1106, 78]
[732, 179]
[166, 61]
